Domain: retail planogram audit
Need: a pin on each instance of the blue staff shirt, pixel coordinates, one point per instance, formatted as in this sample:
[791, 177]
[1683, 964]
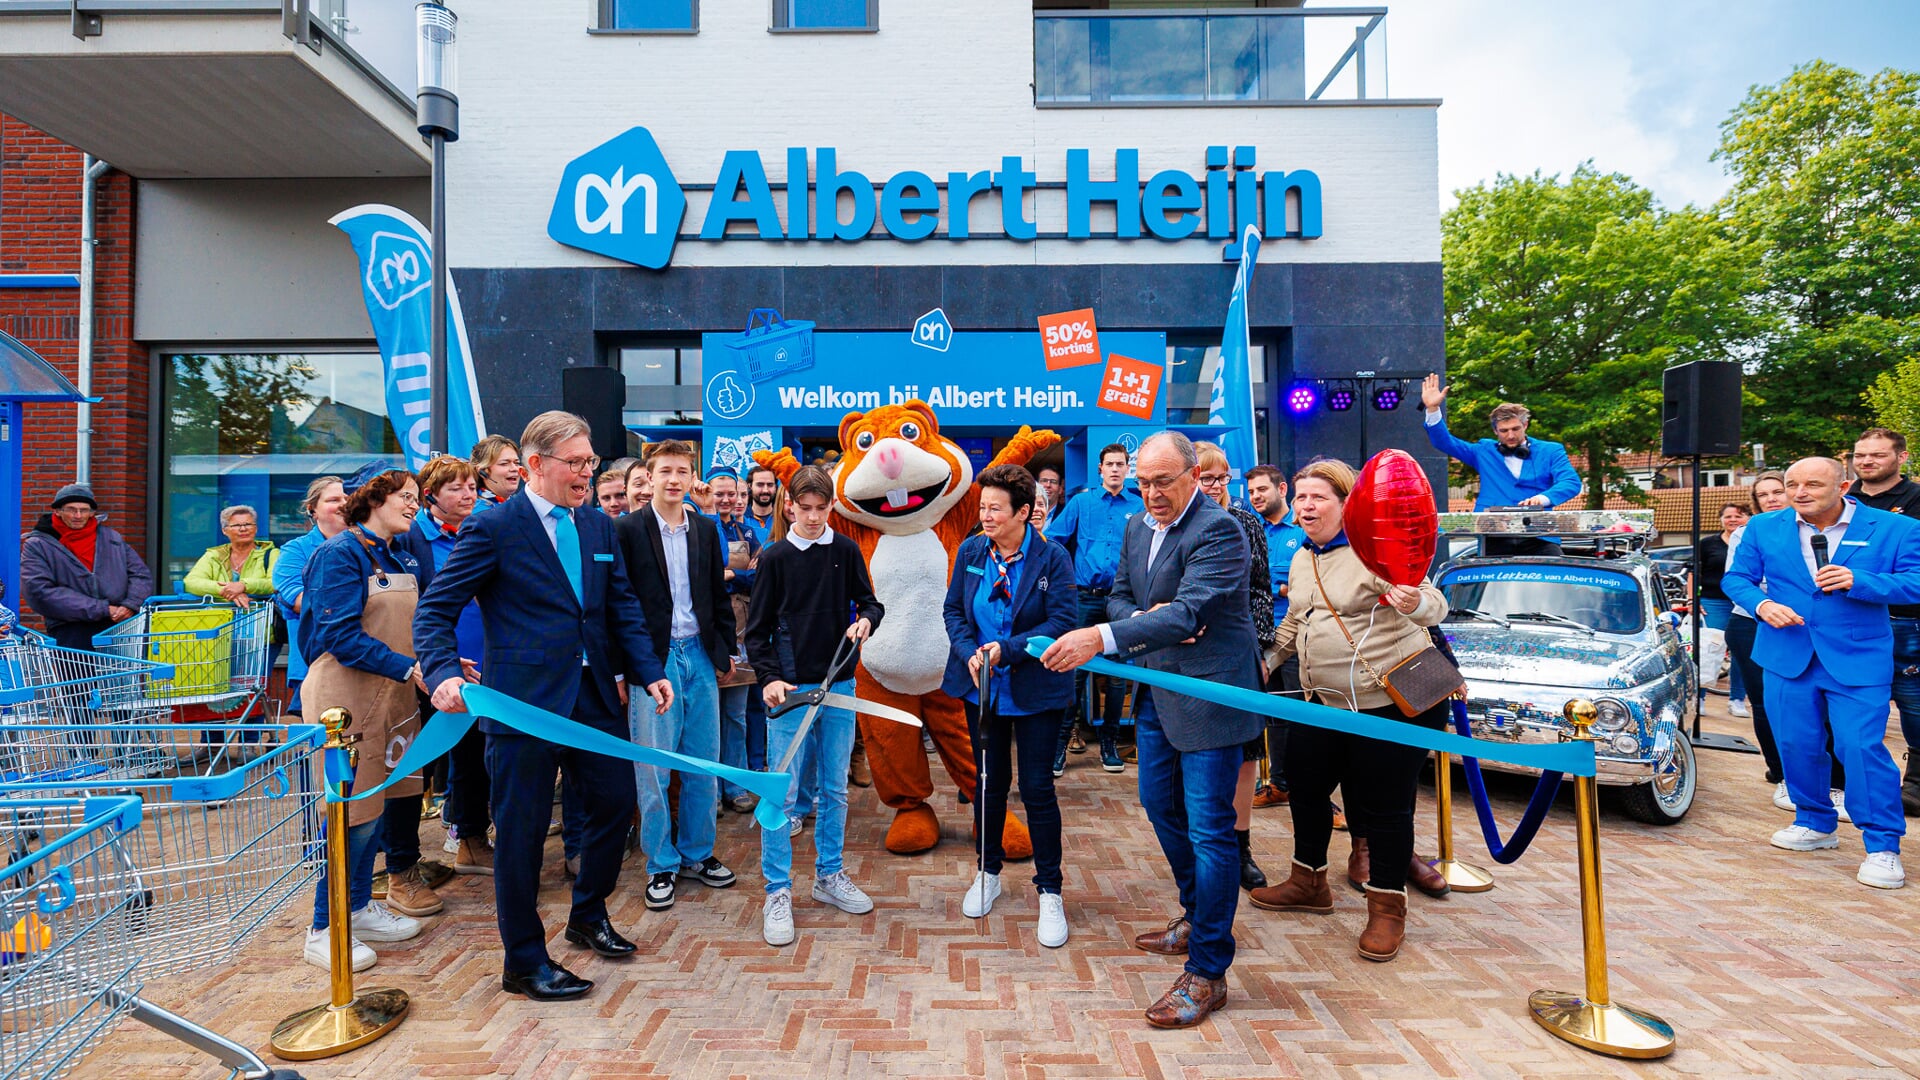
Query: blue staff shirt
[289, 583]
[993, 620]
[1092, 527]
[1283, 539]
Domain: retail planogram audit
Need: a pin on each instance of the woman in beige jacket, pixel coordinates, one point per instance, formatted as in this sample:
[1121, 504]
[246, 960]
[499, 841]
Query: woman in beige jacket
[1347, 625]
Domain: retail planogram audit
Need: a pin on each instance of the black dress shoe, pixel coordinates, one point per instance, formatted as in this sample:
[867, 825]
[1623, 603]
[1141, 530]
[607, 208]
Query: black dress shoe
[601, 937]
[548, 982]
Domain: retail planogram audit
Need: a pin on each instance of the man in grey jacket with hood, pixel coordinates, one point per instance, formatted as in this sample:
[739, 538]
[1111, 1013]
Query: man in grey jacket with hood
[81, 576]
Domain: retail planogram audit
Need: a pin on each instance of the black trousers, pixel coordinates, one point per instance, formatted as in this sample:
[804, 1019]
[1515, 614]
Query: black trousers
[993, 755]
[469, 789]
[523, 770]
[1285, 679]
[1381, 780]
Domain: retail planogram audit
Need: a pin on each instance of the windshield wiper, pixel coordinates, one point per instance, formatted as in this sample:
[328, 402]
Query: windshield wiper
[1475, 613]
[1550, 617]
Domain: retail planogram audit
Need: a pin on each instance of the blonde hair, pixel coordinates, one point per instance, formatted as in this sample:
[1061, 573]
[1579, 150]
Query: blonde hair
[1338, 475]
[317, 491]
[549, 430]
[488, 450]
[1210, 455]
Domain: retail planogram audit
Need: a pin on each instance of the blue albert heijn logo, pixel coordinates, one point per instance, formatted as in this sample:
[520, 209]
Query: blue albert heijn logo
[397, 267]
[933, 331]
[620, 200]
[729, 394]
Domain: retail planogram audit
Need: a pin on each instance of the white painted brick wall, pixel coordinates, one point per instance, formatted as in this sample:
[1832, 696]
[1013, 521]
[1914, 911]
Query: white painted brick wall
[945, 85]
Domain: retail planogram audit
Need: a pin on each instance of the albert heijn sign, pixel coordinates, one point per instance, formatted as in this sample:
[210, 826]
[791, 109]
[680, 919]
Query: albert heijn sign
[622, 200]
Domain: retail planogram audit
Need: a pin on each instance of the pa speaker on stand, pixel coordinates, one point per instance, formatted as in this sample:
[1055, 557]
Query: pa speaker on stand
[598, 395]
[1700, 418]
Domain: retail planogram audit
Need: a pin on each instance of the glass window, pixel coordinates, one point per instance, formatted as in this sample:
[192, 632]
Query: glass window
[825, 14]
[650, 15]
[1157, 59]
[659, 366]
[1191, 364]
[257, 428]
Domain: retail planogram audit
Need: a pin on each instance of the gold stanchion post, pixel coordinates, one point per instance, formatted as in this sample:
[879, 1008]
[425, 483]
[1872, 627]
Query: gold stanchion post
[1592, 1020]
[1461, 876]
[346, 1021]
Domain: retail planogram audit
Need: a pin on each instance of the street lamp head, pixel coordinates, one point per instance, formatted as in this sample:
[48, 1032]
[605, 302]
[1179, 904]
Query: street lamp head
[436, 65]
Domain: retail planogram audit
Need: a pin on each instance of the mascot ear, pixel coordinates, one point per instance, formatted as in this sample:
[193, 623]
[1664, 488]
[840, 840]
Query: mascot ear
[846, 427]
[925, 412]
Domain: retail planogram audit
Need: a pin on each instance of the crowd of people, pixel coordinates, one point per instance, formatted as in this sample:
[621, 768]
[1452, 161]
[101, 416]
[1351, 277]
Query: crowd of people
[680, 612]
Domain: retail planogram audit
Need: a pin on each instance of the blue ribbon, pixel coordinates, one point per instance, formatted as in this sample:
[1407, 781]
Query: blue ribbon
[1543, 795]
[446, 729]
[1573, 758]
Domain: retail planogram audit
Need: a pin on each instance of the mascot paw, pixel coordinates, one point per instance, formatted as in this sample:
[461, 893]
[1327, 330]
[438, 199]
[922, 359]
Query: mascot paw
[1025, 444]
[916, 830]
[1015, 841]
[782, 462]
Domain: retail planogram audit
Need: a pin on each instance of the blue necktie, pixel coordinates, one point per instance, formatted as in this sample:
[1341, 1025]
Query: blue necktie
[566, 539]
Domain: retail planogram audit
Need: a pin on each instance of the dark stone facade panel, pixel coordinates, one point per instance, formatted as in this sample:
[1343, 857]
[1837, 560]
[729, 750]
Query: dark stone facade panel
[1354, 294]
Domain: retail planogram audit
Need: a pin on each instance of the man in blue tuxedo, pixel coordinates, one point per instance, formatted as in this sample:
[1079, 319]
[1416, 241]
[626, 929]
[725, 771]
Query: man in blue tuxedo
[1819, 576]
[560, 619]
[1514, 470]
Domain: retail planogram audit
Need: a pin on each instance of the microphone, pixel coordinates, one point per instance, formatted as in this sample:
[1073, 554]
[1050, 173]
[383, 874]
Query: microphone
[1819, 545]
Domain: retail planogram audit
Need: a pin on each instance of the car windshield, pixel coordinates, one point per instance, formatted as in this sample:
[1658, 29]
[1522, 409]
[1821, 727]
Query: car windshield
[1605, 600]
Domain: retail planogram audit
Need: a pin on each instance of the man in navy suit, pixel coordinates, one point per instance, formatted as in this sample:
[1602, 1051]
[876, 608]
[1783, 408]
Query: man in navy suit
[1514, 470]
[1819, 576]
[561, 619]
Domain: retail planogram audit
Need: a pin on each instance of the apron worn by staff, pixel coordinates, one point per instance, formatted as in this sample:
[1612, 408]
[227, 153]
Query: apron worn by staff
[386, 714]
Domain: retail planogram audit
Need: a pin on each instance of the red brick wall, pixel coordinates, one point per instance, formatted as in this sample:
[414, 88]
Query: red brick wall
[40, 182]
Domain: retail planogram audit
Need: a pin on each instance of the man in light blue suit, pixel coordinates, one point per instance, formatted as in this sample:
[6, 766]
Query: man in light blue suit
[1514, 470]
[1819, 576]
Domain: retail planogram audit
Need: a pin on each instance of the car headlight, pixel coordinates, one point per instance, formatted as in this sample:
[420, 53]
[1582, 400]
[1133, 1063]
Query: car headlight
[1611, 716]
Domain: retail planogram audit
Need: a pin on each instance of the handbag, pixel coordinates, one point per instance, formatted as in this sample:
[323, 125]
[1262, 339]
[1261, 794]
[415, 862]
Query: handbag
[1415, 684]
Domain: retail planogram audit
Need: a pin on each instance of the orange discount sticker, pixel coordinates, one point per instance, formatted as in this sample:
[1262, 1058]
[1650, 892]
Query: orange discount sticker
[1130, 386]
[1070, 339]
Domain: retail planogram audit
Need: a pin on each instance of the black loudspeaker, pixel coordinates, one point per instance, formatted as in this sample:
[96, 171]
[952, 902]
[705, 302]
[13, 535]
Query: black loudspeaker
[599, 396]
[1702, 410]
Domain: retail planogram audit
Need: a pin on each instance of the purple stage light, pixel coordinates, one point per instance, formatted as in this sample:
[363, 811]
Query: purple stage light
[1386, 398]
[1301, 398]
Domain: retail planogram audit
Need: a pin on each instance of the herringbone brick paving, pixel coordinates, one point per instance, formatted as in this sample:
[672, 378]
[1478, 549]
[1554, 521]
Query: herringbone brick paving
[1768, 964]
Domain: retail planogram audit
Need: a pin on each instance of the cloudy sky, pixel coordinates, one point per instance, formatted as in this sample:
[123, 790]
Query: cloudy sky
[1639, 86]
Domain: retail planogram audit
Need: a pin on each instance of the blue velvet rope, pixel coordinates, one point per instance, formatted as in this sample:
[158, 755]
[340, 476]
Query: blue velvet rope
[1537, 807]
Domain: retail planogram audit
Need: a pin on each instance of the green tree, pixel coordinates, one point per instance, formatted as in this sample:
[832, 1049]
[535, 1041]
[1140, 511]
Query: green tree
[1826, 185]
[237, 403]
[1572, 297]
[1895, 398]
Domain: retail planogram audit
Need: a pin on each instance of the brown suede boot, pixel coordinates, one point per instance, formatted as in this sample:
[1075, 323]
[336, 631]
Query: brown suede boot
[1304, 890]
[1359, 867]
[1386, 924]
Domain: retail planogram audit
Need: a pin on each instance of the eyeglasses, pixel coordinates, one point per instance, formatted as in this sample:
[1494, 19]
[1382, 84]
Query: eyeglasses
[407, 497]
[1158, 483]
[1208, 479]
[243, 525]
[580, 466]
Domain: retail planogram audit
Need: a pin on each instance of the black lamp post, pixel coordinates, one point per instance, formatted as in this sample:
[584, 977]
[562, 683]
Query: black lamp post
[438, 116]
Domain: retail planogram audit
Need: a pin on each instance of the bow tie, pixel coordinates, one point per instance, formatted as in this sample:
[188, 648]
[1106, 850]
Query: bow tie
[1522, 451]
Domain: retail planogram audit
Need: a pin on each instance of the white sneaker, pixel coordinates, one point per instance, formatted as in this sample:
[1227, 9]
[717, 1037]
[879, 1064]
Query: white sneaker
[1738, 708]
[375, 923]
[1783, 800]
[840, 891]
[319, 952]
[1052, 930]
[980, 895]
[1801, 838]
[452, 845]
[776, 919]
[1840, 805]
[1882, 870]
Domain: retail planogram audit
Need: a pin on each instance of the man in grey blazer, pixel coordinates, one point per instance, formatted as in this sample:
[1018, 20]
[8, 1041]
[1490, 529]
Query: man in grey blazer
[1179, 603]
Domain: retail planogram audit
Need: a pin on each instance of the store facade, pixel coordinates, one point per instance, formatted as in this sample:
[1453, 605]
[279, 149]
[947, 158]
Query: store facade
[922, 182]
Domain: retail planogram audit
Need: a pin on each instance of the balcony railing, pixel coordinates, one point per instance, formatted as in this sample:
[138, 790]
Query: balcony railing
[1219, 55]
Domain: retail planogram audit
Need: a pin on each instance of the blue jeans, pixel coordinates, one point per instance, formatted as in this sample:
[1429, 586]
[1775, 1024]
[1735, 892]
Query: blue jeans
[1188, 797]
[1856, 716]
[690, 726]
[1906, 678]
[361, 848]
[1714, 615]
[831, 742]
[743, 733]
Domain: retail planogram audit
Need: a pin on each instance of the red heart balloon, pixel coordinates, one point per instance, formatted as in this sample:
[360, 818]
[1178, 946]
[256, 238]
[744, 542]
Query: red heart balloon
[1391, 520]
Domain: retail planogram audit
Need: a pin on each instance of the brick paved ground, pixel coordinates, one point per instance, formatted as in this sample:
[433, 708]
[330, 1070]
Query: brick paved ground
[1768, 964]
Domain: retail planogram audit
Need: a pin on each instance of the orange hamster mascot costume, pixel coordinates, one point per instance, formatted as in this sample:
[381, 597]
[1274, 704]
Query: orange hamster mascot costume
[907, 497]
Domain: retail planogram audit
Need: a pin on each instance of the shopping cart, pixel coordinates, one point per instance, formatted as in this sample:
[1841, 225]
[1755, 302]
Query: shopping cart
[46, 692]
[218, 652]
[68, 967]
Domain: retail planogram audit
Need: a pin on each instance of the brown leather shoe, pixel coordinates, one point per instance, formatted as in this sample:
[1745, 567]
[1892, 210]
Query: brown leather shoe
[1421, 875]
[1267, 795]
[1169, 942]
[1359, 867]
[859, 773]
[407, 893]
[1386, 925]
[1190, 1001]
[1304, 890]
[474, 857]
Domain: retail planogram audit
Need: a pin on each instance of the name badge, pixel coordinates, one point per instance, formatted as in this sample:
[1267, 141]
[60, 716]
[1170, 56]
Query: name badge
[971, 569]
[606, 556]
[1041, 584]
[1853, 543]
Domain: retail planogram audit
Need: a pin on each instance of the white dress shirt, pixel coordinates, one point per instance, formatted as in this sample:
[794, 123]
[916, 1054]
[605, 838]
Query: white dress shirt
[1153, 556]
[801, 542]
[1513, 464]
[1834, 533]
[679, 585]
